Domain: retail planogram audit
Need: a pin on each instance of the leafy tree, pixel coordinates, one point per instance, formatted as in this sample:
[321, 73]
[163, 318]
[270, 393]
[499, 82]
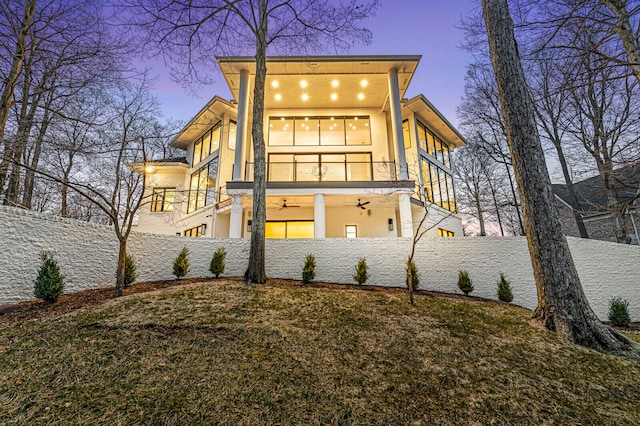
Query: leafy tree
[309, 269]
[465, 284]
[192, 34]
[181, 263]
[218, 262]
[562, 305]
[49, 284]
[362, 275]
[504, 289]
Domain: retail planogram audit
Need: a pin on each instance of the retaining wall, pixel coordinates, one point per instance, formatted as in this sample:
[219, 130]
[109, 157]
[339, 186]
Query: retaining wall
[87, 256]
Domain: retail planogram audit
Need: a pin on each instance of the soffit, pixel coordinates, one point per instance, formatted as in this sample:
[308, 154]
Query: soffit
[319, 73]
[434, 119]
[208, 116]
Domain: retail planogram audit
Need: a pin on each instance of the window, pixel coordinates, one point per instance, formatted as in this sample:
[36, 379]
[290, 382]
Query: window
[438, 185]
[202, 186]
[432, 145]
[315, 131]
[162, 199]
[289, 229]
[406, 134]
[231, 144]
[445, 233]
[196, 231]
[337, 167]
[351, 231]
[206, 144]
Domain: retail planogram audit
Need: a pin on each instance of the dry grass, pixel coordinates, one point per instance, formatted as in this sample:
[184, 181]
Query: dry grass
[222, 353]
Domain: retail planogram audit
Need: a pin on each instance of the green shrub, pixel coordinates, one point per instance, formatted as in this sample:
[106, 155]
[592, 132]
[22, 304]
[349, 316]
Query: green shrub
[464, 282]
[309, 269]
[415, 276]
[504, 289]
[619, 312]
[361, 276]
[217, 262]
[130, 273]
[181, 264]
[49, 284]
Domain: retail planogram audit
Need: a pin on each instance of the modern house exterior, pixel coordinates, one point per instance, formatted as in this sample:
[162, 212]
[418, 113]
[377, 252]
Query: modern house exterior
[347, 155]
[593, 204]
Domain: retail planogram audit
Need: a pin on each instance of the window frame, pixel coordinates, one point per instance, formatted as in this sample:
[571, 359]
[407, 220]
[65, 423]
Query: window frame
[355, 231]
[197, 230]
[201, 141]
[318, 119]
[165, 206]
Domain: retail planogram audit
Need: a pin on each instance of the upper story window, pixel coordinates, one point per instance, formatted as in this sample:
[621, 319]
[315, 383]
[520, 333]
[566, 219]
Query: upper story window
[196, 231]
[438, 185]
[320, 131]
[406, 134]
[432, 145]
[202, 187]
[162, 199]
[206, 144]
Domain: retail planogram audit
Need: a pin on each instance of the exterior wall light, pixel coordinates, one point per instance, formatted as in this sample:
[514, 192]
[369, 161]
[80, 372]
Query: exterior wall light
[249, 225]
[390, 224]
[149, 169]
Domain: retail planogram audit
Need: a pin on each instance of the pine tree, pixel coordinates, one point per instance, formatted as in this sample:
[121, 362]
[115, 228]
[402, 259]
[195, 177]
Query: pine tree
[181, 264]
[504, 289]
[361, 276]
[308, 270]
[49, 284]
[412, 270]
[464, 282]
[217, 262]
[130, 273]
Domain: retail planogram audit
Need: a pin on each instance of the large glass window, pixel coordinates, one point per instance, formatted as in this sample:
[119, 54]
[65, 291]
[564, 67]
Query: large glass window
[206, 144]
[437, 185]
[202, 186]
[231, 144]
[196, 231]
[338, 167]
[432, 145]
[314, 131]
[406, 134]
[289, 229]
[351, 231]
[162, 199]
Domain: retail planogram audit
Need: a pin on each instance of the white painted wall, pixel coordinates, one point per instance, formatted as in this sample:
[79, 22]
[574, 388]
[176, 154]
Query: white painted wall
[87, 256]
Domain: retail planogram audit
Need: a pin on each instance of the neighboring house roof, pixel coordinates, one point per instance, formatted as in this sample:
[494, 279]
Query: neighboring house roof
[591, 193]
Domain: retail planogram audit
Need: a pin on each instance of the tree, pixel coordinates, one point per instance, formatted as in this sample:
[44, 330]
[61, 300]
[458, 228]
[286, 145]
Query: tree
[191, 33]
[562, 305]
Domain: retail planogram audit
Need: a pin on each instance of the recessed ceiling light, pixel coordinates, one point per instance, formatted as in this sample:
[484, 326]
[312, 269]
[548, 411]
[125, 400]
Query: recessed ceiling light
[364, 83]
[305, 97]
[278, 97]
[275, 83]
[303, 84]
[334, 96]
[149, 169]
[306, 119]
[361, 96]
[282, 119]
[334, 83]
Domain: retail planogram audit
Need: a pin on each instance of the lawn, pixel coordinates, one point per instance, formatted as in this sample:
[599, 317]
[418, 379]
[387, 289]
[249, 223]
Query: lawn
[223, 353]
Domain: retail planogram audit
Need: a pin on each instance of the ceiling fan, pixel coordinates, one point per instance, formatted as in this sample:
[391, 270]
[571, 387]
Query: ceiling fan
[362, 205]
[285, 205]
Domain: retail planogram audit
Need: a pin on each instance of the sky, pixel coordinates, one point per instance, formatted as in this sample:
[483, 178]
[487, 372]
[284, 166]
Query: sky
[400, 27]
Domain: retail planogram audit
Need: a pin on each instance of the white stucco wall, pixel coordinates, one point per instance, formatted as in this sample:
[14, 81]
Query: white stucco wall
[87, 257]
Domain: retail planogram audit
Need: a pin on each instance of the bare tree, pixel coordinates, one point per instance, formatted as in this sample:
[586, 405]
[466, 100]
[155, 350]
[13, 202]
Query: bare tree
[191, 33]
[562, 305]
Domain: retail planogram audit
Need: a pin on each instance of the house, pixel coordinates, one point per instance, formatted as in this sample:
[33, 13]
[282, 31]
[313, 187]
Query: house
[593, 204]
[347, 155]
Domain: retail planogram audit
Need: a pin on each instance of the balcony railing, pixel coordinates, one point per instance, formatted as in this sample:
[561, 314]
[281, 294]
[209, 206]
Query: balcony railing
[320, 171]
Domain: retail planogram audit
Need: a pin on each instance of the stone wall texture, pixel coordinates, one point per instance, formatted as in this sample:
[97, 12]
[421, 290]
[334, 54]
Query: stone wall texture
[87, 256]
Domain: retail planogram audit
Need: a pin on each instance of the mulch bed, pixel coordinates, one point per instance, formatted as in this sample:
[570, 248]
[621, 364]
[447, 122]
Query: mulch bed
[11, 315]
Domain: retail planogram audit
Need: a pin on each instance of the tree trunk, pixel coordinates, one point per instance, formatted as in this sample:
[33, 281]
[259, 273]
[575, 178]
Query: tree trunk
[255, 272]
[562, 305]
[573, 200]
[616, 208]
[30, 174]
[11, 80]
[122, 256]
[483, 231]
[626, 33]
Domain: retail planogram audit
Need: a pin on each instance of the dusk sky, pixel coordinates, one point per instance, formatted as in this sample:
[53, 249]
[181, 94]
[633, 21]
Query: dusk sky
[401, 27]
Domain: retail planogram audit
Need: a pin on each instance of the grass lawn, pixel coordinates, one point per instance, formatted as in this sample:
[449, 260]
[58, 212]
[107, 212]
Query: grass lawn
[223, 353]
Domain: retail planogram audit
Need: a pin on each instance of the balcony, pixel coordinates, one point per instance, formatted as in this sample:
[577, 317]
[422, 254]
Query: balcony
[322, 171]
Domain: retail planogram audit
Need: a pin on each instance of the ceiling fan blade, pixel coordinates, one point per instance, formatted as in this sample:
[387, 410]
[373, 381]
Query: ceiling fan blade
[365, 203]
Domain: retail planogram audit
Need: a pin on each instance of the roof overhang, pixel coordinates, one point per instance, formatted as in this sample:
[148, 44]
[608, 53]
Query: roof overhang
[151, 167]
[329, 81]
[208, 116]
[435, 120]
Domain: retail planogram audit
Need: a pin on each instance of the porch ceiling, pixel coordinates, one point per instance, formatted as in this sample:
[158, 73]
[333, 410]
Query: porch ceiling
[306, 201]
[289, 78]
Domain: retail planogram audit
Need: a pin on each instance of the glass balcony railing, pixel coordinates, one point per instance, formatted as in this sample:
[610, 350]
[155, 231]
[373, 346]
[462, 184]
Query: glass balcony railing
[320, 171]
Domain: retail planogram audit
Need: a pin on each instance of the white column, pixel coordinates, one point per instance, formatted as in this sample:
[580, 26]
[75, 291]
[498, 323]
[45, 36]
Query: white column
[319, 217]
[242, 126]
[235, 222]
[396, 124]
[406, 218]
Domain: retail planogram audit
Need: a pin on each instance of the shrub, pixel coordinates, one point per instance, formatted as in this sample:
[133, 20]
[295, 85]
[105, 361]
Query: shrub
[130, 273]
[619, 312]
[217, 262]
[504, 289]
[49, 284]
[309, 269]
[415, 276]
[464, 282]
[181, 264]
[361, 276]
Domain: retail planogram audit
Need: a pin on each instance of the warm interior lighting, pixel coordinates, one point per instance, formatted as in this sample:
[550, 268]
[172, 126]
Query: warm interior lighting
[334, 96]
[303, 84]
[275, 83]
[149, 169]
[334, 83]
[305, 97]
[364, 83]
[361, 96]
[278, 97]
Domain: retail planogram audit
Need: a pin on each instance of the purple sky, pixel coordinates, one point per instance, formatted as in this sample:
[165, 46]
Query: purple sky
[401, 27]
